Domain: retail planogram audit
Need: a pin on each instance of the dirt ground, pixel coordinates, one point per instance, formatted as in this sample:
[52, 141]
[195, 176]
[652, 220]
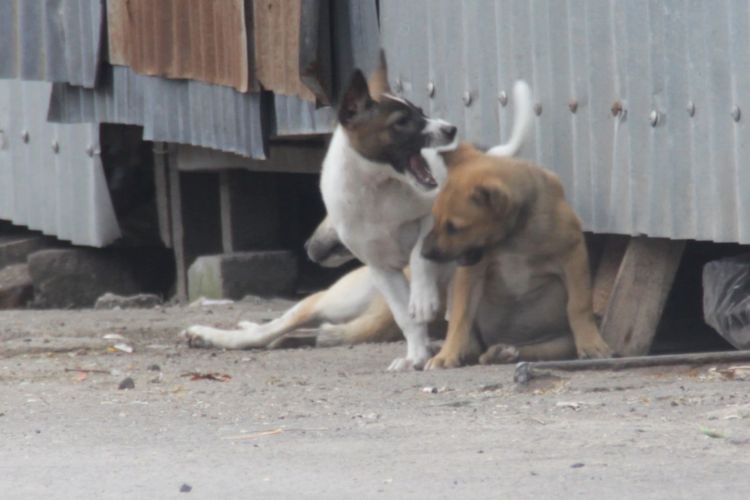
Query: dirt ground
[331, 423]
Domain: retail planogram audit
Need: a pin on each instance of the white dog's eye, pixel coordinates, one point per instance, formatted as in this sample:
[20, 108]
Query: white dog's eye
[403, 121]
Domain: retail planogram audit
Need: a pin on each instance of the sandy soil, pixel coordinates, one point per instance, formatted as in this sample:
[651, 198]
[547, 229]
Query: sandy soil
[331, 423]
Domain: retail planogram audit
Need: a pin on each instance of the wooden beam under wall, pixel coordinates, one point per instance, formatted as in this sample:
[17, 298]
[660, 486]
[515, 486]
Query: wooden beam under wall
[605, 272]
[639, 294]
[178, 231]
[225, 212]
[161, 186]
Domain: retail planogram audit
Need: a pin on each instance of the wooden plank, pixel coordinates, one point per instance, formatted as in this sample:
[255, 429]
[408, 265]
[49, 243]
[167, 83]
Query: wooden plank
[639, 293]
[161, 186]
[303, 157]
[178, 233]
[606, 271]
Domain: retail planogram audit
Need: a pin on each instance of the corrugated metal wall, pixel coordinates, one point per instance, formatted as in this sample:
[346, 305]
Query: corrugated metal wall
[184, 111]
[684, 65]
[51, 176]
[52, 40]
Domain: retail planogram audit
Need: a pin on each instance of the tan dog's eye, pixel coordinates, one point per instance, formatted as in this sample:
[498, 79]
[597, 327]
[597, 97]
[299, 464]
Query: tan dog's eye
[450, 228]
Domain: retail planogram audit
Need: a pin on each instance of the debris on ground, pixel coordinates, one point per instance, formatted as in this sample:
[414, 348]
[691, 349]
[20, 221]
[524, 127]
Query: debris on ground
[253, 435]
[139, 301]
[204, 302]
[712, 433]
[16, 288]
[185, 488]
[217, 377]
[573, 405]
[127, 383]
[122, 347]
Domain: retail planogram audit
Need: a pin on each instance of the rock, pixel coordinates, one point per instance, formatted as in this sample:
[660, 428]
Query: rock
[127, 383]
[233, 276]
[140, 301]
[16, 288]
[16, 248]
[76, 277]
[185, 488]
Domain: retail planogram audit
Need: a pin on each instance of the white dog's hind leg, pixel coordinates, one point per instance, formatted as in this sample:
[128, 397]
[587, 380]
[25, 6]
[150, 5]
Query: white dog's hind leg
[346, 299]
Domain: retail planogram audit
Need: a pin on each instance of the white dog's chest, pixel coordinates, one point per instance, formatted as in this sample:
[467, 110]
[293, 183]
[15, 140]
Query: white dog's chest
[375, 215]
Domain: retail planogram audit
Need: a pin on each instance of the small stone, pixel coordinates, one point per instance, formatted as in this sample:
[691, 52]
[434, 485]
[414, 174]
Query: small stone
[127, 383]
[138, 301]
[185, 488]
[154, 368]
[577, 465]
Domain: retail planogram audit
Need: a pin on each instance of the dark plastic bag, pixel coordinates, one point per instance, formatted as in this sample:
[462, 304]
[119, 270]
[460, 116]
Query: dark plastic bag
[726, 299]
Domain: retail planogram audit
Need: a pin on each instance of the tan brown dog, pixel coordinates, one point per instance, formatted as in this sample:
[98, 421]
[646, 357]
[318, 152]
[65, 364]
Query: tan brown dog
[523, 284]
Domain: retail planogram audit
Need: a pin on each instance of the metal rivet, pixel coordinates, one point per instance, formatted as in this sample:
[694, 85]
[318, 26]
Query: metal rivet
[467, 98]
[573, 105]
[616, 108]
[399, 85]
[653, 118]
[25, 136]
[55, 147]
[691, 108]
[503, 98]
[538, 109]
[736, 113]
[431, 89]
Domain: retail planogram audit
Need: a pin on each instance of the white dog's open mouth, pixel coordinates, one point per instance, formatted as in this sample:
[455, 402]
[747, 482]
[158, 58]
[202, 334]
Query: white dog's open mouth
[418, 168]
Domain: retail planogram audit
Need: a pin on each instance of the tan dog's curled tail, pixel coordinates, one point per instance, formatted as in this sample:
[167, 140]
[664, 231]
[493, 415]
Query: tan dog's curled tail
[521, 121]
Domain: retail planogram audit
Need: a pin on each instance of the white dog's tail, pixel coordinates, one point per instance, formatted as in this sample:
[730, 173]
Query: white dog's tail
[521, 121]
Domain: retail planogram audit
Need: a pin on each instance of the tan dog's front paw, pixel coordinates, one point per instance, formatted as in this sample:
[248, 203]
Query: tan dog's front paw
[499, 354]
[441, 361]
[596, 348]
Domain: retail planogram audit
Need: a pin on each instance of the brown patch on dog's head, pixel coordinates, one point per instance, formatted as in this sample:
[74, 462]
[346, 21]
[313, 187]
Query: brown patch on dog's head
[392, 130]
[473, 212]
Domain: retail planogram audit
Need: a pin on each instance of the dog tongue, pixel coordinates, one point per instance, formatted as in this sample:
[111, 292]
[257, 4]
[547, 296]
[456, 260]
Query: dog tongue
[421, 171]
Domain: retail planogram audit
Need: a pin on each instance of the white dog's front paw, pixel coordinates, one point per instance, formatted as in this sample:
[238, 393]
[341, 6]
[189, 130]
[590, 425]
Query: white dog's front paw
[424, 304]
[196, 336]
[404, 365]
[414, 360]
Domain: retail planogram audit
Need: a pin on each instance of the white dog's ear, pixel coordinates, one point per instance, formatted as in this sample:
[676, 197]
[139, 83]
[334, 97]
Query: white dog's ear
[379, 79]
[356, 99]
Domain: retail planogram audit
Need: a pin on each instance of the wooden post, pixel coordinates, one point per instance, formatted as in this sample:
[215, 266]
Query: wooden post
[639, 294]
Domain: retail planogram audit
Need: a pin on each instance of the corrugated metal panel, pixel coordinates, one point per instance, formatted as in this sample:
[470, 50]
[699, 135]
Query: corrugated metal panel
[196, 39]
[54, 40]
[356, 42]
[183, 111]
[276, 34]
[294, 117]
[682, 178]
[62, 193]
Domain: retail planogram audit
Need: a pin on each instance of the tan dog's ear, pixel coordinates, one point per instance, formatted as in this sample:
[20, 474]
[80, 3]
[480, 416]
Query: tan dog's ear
[379, 79]
[491, 194]
[356, 99]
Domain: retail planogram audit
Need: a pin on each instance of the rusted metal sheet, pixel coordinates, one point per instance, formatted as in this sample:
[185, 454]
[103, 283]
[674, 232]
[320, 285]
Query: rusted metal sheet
[194, 39]
[276, 25]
